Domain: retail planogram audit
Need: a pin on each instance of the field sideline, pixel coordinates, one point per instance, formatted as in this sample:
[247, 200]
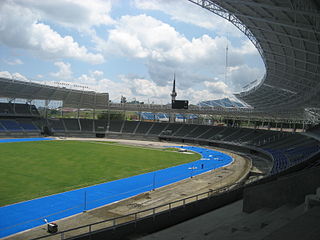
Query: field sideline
[34, 169]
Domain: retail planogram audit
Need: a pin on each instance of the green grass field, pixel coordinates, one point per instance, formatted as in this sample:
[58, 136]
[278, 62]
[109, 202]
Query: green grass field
[34, 169]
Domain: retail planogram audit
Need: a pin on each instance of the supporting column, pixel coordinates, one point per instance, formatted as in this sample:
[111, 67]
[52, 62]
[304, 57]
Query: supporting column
[46, 104]
[108, 120]
[61, 112]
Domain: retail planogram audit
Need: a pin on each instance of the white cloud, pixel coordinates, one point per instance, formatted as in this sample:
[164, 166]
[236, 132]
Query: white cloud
[190, 13]
[145, 88]
[247, 47]
[64, 71]
[5, 74]
[217, 87]
[97, 73]
[13, 62]
[241, 75]
[20, 28]
[199, 63]
[166, 51]
[81, 15]
[18, 76]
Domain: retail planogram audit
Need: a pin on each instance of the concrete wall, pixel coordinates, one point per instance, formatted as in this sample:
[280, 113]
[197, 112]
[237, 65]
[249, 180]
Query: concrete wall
[283, 190]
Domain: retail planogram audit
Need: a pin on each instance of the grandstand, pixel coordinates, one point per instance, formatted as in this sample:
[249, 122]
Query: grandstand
[286, 34]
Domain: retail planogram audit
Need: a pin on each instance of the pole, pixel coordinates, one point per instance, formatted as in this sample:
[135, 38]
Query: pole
[85, 201]
[154, 181]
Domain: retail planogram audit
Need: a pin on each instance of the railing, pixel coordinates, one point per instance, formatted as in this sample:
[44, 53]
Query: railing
[112, 223]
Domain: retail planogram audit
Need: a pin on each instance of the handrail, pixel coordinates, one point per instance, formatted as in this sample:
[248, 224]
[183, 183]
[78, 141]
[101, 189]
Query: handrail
[135, 215]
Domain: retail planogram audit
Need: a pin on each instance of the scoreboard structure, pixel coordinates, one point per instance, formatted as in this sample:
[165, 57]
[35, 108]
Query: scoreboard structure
[180, 104]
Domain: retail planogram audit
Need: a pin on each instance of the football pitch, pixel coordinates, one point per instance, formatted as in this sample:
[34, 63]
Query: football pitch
[35, 169]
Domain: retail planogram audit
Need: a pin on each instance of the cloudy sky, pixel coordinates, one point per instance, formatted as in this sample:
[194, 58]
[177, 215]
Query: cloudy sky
[126, 47]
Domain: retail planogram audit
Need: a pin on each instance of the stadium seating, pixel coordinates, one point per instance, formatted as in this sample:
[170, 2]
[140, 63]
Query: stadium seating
[100, 125]
[157, 128]
[71, 124]
[144, 127]
[28, 125]
[34, 111]
[197, 131]
[18, 109]
[184, 130]
[86, 125]
[287, 149]
[171, 129]
[56, 125]
[6, 109]
[213, 130]
[2, 128]
[11, 125]
[22, 109]
[234, 137]
[129, 126]
[115, 126]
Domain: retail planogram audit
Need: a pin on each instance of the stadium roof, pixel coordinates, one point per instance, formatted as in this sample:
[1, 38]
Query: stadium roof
[12, 88]
[224, 102]
[287, 36]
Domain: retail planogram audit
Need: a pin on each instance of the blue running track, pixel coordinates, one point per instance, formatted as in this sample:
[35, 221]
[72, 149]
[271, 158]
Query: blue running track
[25, 215]
[23, 140]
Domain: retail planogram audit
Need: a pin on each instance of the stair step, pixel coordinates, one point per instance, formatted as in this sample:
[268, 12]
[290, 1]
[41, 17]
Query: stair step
[231, 228]
[195, 227]
[305, 226]
[275, 220]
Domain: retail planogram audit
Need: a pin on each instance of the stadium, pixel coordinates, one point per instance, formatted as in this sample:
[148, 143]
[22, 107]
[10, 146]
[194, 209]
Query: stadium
[254, 177]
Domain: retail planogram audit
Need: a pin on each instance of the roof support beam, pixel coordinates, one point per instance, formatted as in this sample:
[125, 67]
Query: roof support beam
[293, 58]
[312, 11]
[215, 8]
[301, 69]
[289, 47]
[231, 18]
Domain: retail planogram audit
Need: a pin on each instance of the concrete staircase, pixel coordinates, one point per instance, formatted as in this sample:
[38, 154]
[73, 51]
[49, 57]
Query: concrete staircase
[231, 223]
[288, 221]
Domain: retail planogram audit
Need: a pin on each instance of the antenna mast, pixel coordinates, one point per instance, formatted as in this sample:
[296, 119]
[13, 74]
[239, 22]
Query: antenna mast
[227, 63]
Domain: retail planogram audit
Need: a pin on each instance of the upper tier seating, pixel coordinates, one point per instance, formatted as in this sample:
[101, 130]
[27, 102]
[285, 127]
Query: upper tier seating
[18, 109]
[6, 109]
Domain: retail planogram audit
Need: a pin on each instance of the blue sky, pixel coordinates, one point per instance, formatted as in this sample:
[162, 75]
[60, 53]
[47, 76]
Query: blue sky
[126, 47]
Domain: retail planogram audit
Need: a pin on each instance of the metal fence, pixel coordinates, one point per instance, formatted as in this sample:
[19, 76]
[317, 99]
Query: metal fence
[112, 223]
